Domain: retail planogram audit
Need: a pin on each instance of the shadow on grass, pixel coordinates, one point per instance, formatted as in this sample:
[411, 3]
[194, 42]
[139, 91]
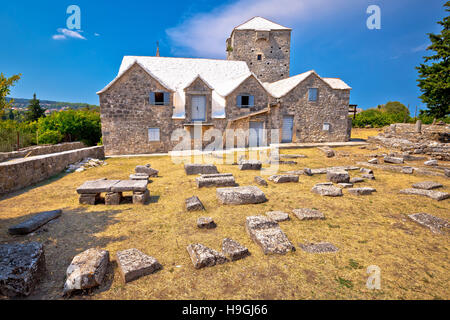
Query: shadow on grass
[45, 182]
[63, 238]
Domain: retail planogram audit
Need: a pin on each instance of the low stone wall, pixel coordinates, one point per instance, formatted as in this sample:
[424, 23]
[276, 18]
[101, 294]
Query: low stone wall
[20, 173]
[40, 150]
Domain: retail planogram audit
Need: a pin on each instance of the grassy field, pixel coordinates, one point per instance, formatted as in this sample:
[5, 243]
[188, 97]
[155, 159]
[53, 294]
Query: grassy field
[368, 230]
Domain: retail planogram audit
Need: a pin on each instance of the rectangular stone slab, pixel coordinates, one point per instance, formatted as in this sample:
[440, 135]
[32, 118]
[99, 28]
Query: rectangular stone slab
[130, 185]
[202, 256]
[134, 264]
[267, 234]
[96, 186]
[240, 195]
[220, 181]
[193, 168]
[436, 195]
[21, 268]
[435, 224]
[34, 222]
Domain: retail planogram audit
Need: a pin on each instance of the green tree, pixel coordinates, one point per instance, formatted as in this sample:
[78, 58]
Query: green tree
[34, 110]
[434, 78]
[5, 84]
[397, 111]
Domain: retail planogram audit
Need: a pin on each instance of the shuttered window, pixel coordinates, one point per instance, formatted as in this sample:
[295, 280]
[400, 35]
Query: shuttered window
[159, 98]
[312, 94]
[245, 101]
[153, 134]
[326, 126]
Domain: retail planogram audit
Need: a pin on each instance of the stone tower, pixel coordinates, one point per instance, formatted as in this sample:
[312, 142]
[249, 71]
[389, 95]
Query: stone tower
[264, 45]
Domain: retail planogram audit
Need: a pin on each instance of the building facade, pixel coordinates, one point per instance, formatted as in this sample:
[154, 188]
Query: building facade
[155, 103]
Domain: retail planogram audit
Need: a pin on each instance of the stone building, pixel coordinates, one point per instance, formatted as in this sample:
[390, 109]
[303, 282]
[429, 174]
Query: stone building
[155, 103]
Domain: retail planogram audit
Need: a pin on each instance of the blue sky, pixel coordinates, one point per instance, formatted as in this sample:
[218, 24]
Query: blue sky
[329, 36]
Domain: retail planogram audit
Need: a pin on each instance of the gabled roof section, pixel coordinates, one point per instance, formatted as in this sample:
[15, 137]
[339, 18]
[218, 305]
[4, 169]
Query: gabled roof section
[226, 88]
[282, 87]
[260, 23]
[337, 83]
[201, 79]
[122, 71]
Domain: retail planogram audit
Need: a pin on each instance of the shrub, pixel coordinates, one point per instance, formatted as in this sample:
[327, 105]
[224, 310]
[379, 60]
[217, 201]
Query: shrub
[50, 137]
[372, 117]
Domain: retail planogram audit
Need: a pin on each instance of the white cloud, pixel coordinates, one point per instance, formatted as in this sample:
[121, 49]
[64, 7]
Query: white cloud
[204, 34]
[420, 48]
[97, 34]
[64, 33]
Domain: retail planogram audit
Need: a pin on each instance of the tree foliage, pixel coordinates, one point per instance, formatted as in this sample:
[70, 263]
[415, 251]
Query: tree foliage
[434, 74]
[34, 110]
[5, 85]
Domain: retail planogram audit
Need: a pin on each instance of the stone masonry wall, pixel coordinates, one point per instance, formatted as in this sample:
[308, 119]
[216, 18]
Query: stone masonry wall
[21, 173]
[309, 116]
[39, 150]
[274, 48]
[126, 115]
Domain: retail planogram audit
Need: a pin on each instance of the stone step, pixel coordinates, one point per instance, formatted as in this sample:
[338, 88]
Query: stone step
[240, 195]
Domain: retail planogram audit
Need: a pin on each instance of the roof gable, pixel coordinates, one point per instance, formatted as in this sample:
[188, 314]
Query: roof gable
[260, 23]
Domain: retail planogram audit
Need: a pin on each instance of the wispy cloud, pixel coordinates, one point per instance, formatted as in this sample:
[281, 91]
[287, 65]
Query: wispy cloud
[420, 48]
[64, 33]
[205, 33]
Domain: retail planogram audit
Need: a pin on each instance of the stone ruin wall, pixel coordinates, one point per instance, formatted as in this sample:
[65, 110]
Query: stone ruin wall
[40, 150]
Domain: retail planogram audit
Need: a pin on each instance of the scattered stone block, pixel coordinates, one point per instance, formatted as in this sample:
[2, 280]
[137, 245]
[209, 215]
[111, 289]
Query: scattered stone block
[388, 159]
[34, 222]
[322, 247]
[327, 151]
[147, 170]
[447, 172]
[284, 178]
[427, 185]
[357, 180]
[435, 224]
[307, 172]
[87, 270]
[345, 185]
[240, 195]
[267, 234]
[206, 223]
[361, 191]
[366, 171]
[194, 168]
[324, 184]
[215, 180]
[133, 264]
[141, 197]
[373, 161]
[89, 198]
[408, 170]
[278, 216]
[330, 191]
[139, 176]
[436, 195]
[250, 165]
[293, 156]
[338, 176]
[234, 250]
[308, 214]
[259, 180]
[368, 176]
[202, 256]
[130, 185]
[194, 204]
[113, 198]
[431, 163]
[22, 266]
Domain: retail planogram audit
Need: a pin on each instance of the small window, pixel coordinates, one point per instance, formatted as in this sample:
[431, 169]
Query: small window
[259, 57]
[153, 134]
[159, 98]
[245, 101]
[326, 126]
[312, 94]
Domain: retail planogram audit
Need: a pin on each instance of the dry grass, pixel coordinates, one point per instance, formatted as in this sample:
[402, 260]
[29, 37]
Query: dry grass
[368, 230]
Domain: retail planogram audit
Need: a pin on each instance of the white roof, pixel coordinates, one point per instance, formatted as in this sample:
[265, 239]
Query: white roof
[280, 88]
[260, 24]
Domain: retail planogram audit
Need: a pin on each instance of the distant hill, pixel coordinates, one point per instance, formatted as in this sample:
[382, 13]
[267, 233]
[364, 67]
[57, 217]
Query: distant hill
[47, 104]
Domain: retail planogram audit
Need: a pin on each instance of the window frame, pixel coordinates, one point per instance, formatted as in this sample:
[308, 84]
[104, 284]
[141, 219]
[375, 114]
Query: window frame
[165, 96]
[149, 136]
[326, 124]
[316, 90]
[251, 101]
